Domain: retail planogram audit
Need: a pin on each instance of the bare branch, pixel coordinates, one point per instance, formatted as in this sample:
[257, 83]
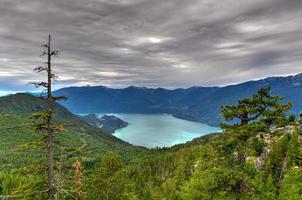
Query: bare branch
[40, 84]
[44, 45]
[54, 53]
[57, 98]
[43, 53]
[43, 84]
[54, 77]
[40, 69]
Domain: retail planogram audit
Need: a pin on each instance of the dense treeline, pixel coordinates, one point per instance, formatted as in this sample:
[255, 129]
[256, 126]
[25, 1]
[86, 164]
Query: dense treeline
[272, 170]
[260, 159]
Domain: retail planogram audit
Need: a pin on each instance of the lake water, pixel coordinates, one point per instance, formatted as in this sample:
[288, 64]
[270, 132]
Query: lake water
[160, 130]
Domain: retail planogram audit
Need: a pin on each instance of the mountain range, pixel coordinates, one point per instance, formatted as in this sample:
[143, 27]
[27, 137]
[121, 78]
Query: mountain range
[204, 167]
[201, 104]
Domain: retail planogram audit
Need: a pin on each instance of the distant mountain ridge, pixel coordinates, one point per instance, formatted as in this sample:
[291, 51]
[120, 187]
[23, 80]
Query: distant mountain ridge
[200, 104]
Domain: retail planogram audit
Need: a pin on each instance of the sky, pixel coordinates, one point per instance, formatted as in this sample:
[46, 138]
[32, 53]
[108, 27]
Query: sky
[152, 43]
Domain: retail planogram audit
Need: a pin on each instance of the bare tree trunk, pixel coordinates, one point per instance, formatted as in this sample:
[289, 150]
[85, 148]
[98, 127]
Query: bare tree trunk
[241, 186]
[50, 159]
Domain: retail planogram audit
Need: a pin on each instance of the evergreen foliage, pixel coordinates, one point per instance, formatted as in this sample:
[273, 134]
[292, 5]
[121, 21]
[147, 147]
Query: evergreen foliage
[206, 168]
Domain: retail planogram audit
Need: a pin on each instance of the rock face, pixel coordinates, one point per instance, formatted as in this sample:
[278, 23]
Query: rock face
[268, 138]
[109, 123]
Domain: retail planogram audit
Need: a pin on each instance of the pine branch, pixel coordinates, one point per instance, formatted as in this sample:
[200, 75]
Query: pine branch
[58, 98]
[40, 69]
[43, 53]
[54, 53]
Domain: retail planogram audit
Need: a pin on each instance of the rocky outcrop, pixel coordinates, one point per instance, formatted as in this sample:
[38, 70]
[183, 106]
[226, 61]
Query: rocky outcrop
[268, 139]
[109, 123]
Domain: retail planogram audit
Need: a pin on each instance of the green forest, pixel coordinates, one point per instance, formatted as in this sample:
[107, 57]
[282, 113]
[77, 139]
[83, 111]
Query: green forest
[46, 152]
[258, 156]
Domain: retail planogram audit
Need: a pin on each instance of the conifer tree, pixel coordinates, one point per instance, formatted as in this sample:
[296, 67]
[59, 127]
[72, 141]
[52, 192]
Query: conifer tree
[262, 109]
[254, 114]
[45, 118]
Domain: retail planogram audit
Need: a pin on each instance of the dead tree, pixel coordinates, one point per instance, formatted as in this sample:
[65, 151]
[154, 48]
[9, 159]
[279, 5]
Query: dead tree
[46, 117]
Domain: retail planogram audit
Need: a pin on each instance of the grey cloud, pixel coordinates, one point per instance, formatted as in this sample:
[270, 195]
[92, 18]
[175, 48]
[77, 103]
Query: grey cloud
[154, 43]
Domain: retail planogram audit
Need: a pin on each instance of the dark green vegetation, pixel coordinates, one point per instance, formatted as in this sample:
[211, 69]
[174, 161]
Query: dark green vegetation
[260, 158]
[21, 160]
[109, 123]
[200, 104]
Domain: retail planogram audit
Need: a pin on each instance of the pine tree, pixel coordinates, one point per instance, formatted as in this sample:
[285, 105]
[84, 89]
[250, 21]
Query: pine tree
[45, 118]
[262, 109]
[254, 114]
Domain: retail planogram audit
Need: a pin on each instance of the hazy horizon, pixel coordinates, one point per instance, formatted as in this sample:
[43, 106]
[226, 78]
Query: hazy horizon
[8, 92]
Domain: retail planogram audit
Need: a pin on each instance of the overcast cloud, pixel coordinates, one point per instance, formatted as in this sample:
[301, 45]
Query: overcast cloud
[154, 43]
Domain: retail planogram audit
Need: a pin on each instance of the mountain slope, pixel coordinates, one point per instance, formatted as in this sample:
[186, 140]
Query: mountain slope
[196, 103]
[289, 87]
[16, 130]
[25, 104]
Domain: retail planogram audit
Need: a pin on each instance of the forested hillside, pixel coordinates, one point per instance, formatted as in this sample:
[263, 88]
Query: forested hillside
[257, 158]
[22, 159]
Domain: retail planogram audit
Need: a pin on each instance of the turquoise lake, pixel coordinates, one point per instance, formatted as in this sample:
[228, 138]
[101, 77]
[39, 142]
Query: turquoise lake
[160, 130]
